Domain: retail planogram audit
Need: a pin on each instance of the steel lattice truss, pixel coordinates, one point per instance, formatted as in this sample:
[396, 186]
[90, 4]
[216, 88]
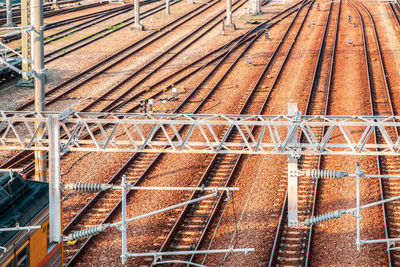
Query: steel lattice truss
[188, 133]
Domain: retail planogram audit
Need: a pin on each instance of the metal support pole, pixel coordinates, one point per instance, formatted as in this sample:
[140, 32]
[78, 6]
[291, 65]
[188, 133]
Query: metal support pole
[358, 212]
[138, 25]
[26, 81]
[54, 179]
[123, 226]
[9, 15]
[255, 7]
[229, 24]
[293, 173]
[167, 7]
[38, 63]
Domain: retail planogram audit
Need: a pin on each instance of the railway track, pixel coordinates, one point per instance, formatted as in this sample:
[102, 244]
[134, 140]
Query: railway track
[395, 8]
[77, 81]
[60, 52]
[126, 99]
[145, 164]
[381, 105]
[135, 170]
[258, 96]
[97, 17]
[48, 12]
[92, 107]
[72, 84]
[292, 244]
[193, 221]
[136, 180]
[126, 88]
[21, 159]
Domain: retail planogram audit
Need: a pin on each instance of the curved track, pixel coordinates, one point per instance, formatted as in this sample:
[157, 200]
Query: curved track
[381, 105]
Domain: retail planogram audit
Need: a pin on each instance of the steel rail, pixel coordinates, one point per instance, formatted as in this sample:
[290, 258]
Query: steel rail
[310, 109]
[178, 109]
[395, 14]
[96, 20]
[218, 159]
[65, 50]
[16, 8]
[50, 13]
[92, 75]
[124, 168]
[112, 60]
[324, 129]
[15, 159]
[95, 16]
[60, 52]
[213, 164]
[115, 87]
[118, 176]
[189, 37]
[246, 107]
[115, 106]
[372, 87]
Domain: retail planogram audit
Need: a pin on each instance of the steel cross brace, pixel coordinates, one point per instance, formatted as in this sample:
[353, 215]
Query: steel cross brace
[118, 132]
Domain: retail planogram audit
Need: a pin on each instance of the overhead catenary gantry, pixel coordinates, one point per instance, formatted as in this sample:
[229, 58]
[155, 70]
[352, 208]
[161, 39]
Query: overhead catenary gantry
[207, 133]
[113, 132]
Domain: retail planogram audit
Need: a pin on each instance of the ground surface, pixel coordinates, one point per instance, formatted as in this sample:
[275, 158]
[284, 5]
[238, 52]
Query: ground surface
[250, 218]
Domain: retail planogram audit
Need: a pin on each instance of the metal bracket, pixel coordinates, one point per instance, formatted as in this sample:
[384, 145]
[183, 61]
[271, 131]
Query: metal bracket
[296, 153]
[293, 171]
[63, 115]
[40, 72]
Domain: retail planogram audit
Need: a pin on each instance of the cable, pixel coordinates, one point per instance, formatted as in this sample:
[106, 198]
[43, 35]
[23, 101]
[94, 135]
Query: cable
[72, 165]
[236, 229]
[245, 206]
[87, 175]
[223, 211]
[299, 67]
[12, 196]
[274, 100]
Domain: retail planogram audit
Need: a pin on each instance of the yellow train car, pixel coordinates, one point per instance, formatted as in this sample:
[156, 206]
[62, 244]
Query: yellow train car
[25, 203]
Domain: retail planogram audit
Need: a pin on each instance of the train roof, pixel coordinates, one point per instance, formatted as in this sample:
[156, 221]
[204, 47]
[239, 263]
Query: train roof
[20, 201]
